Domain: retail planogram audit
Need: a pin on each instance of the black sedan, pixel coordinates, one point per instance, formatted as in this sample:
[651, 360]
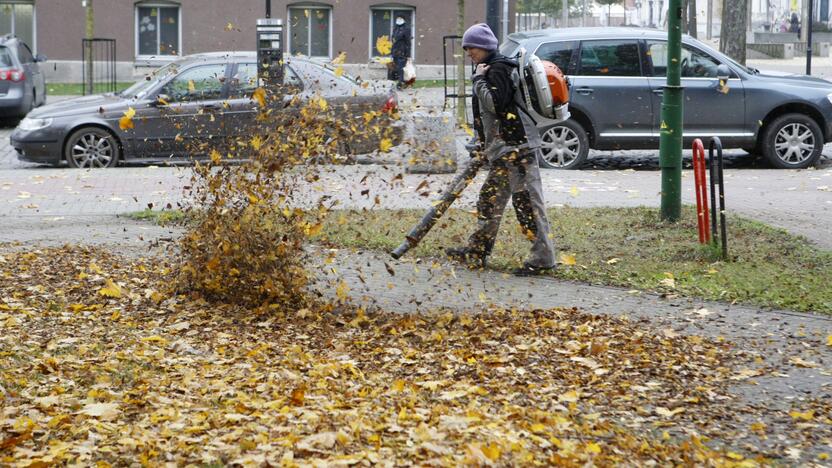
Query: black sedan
[194, 99]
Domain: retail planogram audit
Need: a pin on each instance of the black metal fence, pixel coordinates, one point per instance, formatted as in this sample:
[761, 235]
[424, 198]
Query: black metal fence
[98, 58]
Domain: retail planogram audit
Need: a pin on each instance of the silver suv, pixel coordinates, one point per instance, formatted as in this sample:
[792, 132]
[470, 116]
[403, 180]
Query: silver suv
[22, 85]
[618, 75]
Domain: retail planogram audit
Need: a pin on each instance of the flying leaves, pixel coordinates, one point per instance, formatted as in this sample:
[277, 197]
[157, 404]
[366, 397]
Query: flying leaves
[126, 121]
[383, 45]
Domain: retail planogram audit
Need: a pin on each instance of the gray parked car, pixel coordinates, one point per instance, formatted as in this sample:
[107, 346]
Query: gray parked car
[22, 86]
[618, 75]
[196, 99]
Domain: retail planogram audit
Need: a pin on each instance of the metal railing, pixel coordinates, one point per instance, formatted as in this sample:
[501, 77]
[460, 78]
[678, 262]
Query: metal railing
[98, 59]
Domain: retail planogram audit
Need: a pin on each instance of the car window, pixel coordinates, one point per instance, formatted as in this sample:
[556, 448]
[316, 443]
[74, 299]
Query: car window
[244, 81]
[509, 48]
[695, 63]
[559, 53]
[197, 84]
[5, 57]
[610, 58]
[25, 54]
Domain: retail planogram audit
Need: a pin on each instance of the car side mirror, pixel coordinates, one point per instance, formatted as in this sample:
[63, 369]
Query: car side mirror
[40, 58]
[723, 73]
[161, 100]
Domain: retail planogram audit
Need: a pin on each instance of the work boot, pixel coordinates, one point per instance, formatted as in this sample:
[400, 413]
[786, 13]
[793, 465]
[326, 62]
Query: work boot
[531, 270]
[468, 256]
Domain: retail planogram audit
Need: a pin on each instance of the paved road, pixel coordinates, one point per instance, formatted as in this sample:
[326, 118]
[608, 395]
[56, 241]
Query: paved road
[798, 201]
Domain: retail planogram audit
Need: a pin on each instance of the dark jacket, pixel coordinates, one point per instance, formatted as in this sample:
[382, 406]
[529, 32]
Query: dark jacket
[502, 125]
[502, 90]
[401, 40]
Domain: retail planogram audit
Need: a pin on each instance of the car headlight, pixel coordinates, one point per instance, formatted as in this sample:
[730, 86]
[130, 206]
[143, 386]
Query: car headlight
[34, 124]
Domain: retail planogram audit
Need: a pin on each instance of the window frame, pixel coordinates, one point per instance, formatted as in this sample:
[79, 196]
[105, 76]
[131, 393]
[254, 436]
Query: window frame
[372, 46]
[33, 46]
[301, 6]
[641, 58]
[224, 92]
[649, 59]
[234, 86]
[572, 66]
[157, 57]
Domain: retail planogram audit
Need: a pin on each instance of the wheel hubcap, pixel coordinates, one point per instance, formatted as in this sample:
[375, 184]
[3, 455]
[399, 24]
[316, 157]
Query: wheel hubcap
[560, 146]
[794, 143]
[92, 150]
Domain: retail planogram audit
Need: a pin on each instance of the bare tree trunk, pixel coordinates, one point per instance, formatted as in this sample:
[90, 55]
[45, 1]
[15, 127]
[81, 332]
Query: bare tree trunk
[732, 37]
[89, 33]
[691, 19]
[461, 108]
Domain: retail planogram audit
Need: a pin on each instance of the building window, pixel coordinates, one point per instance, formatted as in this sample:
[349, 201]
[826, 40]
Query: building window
[382, 22]
[18, 19]
[310, 30]
[158, 30]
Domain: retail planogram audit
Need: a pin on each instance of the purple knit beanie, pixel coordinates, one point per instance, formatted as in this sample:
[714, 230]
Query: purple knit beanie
[480, 36]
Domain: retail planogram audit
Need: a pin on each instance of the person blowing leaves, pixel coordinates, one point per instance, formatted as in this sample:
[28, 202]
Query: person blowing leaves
[509, 140]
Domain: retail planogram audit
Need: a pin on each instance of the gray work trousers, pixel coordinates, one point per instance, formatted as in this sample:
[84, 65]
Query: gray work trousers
[517, 176]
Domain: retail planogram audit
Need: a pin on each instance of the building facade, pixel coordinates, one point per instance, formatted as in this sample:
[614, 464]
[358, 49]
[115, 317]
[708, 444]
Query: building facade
[151, 32]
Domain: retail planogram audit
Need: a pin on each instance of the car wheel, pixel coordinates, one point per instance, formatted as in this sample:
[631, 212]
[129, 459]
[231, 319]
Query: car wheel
[563, 146]
[792, 141]
[91, 147]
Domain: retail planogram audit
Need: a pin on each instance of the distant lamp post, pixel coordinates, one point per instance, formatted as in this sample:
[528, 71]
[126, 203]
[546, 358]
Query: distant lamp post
[638, 12]
[652, 25]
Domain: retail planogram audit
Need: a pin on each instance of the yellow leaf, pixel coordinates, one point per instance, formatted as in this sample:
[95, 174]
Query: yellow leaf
[216, 157]
[191, 86]
[253, 199]
[342, 290]
[95, 269]
[491, 451]
[734, 456]
[807, 416]
[538, 427]
[569, 397]
[105, 411]
[592, 447]
[829, 340]
[574, 191]
[256, 142]
[398, 385]
[339, 71]
[510, 116]
[126, 121]
[259, 95]
[613, 261]
[111, 289]
[383, 45]
[340, 59]
[567, 259]
[385, 145]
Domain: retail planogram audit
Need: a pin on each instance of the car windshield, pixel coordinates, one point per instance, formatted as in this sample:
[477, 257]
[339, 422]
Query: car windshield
[5, 57]
[140, 88]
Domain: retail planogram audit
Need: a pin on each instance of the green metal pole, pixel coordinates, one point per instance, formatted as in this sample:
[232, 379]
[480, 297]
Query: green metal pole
[670, 136]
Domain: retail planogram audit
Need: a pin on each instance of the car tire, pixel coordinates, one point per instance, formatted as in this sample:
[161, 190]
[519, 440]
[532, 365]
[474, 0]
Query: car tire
[792, 141]
[563, 146]
[92, 147]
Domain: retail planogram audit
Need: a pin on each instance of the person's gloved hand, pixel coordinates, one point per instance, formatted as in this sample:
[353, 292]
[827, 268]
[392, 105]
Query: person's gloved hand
[481, 70]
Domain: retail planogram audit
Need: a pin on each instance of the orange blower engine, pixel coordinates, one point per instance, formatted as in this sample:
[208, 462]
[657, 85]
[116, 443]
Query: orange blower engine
[545, 89]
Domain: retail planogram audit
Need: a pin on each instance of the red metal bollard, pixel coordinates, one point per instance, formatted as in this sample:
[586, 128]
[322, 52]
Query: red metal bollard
[702, 219]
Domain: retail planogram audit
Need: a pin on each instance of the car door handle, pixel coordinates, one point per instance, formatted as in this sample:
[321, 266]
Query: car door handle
[585, 91]
[658, 91]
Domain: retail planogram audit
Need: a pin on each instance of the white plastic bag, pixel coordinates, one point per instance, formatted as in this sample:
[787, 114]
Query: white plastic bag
[409, 72]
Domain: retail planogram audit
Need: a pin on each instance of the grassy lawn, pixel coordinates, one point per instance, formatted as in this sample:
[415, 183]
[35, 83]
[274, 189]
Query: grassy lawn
[71, 89]
[631, 248]
[625, 247]
[438, 84]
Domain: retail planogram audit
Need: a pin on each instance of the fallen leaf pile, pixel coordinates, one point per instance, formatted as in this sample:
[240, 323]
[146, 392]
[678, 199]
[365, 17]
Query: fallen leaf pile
[137, 375]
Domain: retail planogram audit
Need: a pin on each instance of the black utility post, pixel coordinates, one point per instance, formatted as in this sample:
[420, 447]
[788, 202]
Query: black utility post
[268, 8]
[810, 20]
